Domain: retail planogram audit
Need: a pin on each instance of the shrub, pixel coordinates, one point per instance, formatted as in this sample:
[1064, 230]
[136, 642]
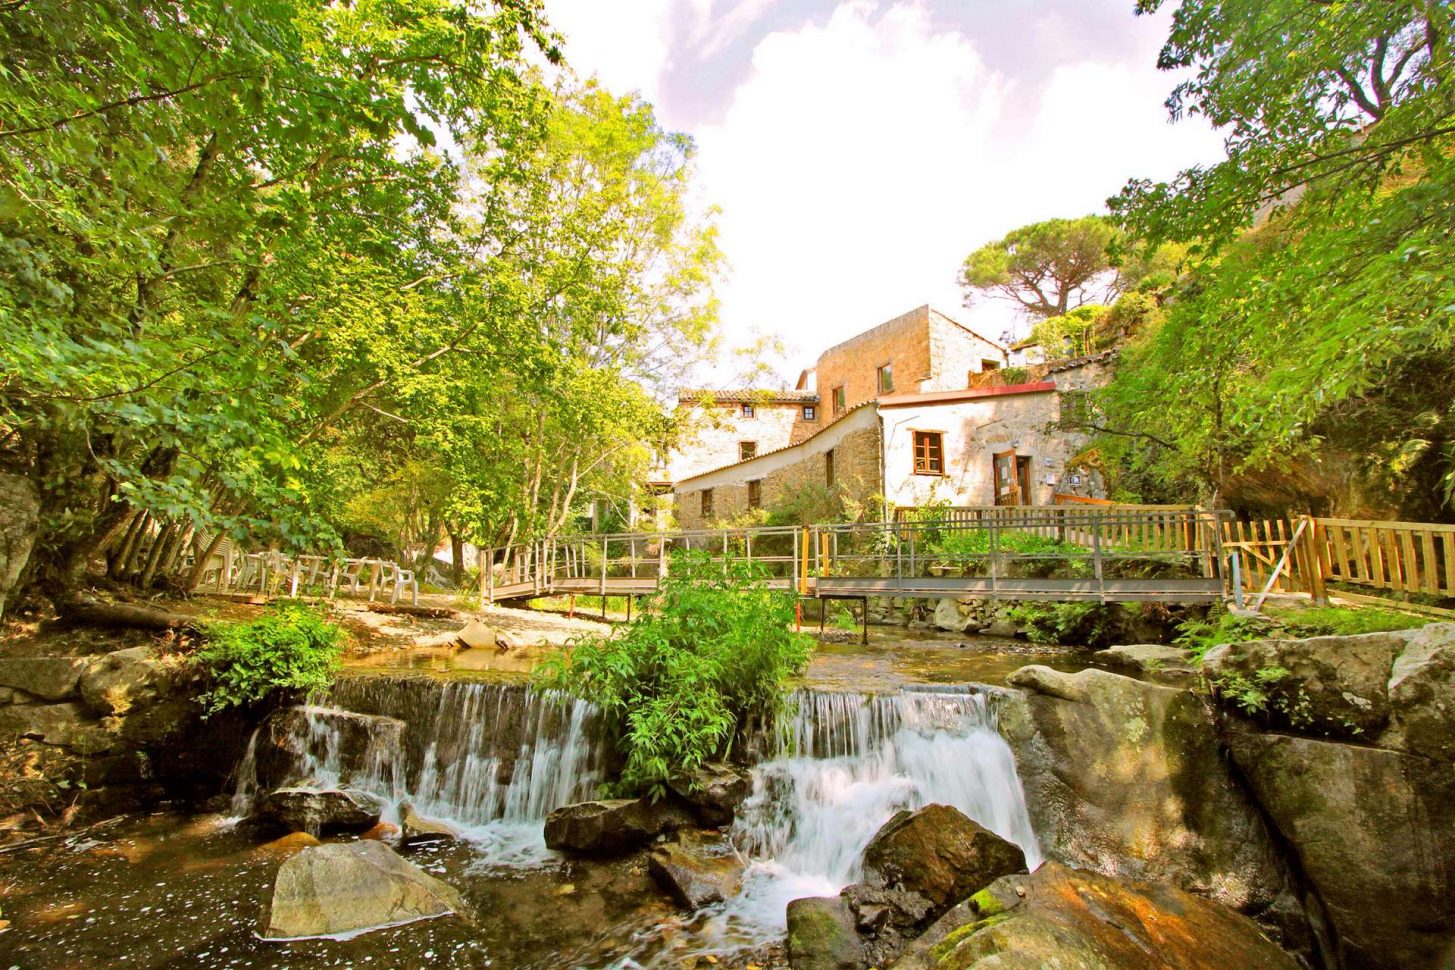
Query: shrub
[1082, 624]
[702, 666]
[289, 647]
[1202, 635]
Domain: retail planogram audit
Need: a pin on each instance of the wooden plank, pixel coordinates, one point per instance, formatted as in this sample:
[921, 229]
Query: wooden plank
[1431, 568]
[1409, 574]
[1376, 557]
[1341, 552]
[1362, 572]
[1449, 544]
[1372, 523]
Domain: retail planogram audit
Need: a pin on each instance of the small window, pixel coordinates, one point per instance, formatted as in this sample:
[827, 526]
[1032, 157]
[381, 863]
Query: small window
[988, 364]
[929, 453]
[747, 410]
[839, 399]
[755, 494]
[747, 449]
[886, 378]
[706, 504]
[810, 413]
[1075, 409]
[828, 468]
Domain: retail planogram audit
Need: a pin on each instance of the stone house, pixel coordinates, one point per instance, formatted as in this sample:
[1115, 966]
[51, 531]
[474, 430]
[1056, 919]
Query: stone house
[920, 434]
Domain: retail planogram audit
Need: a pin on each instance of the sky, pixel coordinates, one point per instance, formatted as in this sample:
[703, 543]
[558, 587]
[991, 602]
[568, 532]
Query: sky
[860, 149]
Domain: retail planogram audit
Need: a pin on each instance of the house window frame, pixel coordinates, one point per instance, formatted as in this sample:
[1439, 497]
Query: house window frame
[705, 496]
[747, 411]
[810, 413]
[841, 399]
[747, 450]
[755, 493]
[924, 468]
[986, 364]
[829, 472]
[883, 371]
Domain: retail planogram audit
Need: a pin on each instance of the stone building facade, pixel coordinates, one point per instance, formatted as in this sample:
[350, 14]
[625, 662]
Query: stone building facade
[722, 425]
[980, 446]
[923, 350]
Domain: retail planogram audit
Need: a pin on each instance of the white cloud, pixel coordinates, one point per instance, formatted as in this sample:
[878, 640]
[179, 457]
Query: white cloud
[848, 165]
[625, 45]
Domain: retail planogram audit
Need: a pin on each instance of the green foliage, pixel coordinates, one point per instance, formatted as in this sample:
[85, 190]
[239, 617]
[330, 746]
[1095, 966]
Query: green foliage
[1072, 624]
[1200, 636]
[1288, 352]
[288, 648]
[1069, 334]
[1252, 694]
[702, 666]
[1014, 375]
[1047, 268]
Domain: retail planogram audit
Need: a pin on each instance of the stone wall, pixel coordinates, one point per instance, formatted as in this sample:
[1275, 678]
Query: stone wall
[854, 442]
[903, 342]
[956, 353]
[973, 431]
[717, 431]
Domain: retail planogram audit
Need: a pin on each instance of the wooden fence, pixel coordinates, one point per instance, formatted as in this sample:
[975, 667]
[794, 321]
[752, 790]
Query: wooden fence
[1397, 557]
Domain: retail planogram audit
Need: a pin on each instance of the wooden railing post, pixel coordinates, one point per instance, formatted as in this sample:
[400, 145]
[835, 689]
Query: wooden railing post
[1315, 560]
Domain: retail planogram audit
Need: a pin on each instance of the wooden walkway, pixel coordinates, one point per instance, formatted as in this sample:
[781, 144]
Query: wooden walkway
[1057, 553]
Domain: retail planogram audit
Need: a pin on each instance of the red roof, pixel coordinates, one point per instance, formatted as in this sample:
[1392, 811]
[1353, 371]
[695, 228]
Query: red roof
[968, 394]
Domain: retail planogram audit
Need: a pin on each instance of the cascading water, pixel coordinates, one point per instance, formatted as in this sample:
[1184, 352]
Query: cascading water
[491, 759]
[845, 764]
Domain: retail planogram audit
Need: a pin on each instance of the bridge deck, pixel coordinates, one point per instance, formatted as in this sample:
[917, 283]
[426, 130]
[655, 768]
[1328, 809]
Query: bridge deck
[1064, 554]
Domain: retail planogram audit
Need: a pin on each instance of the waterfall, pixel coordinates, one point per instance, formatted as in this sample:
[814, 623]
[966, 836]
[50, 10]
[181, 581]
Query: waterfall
[491, 759]
[844, 764]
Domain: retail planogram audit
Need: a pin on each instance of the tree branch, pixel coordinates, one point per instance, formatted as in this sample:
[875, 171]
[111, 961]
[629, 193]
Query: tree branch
[123, 103]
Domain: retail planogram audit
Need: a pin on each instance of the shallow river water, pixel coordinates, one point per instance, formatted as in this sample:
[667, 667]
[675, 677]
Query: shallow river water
[873, 730]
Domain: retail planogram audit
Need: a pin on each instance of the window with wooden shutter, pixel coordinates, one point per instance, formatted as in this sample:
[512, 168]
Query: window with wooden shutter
[747, 449]
[706, 504]
[839, 399]
[828, 468]
[929, 453]
[886, 378]
[755, 494]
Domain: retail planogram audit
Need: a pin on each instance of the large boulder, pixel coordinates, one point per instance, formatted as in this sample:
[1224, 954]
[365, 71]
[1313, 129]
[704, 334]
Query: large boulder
[1156, 662]
[713, 792]
[67, 725]
[350, 888]
[1078, 920]
[46, 678]
[948, 616]
[1129, 778]
[1422, 694]
[125, 681]
[612, 826]
[19, 525]
[822, 935]
[318, 810]
[294, 738]
[939, 854]
[1331, 686]
[696, 874]
[1374, 832]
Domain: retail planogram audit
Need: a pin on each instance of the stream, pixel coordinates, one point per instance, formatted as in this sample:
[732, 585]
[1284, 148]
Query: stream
[493, 759]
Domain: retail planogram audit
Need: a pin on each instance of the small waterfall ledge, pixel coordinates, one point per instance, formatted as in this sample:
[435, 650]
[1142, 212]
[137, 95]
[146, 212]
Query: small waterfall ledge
[495, 759]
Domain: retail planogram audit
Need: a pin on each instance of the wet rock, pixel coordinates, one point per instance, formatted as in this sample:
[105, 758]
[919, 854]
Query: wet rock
[1329, 686]
[1368, 825]
[1129, 778]
[19, 525]
[948, 616]
[477, 635]
[124, 681]
[1422, 694]
[317, 810]
[1078, 920]
[822, 935]
[938, 853]
[695, 875]
[415, 829]
[289, 844]
[351, 888]
[1155, 662]
[46, 678]
[713, 792]
[356, 742]
[612, 826]
[1002, 626]
[67, 725]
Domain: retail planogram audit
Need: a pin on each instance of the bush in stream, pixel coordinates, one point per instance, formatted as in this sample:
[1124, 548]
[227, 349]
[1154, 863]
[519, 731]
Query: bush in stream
[702, 666]
[289, 647]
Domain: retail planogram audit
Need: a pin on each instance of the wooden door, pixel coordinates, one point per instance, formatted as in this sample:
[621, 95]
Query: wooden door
[1007, 478]
[1024, 473]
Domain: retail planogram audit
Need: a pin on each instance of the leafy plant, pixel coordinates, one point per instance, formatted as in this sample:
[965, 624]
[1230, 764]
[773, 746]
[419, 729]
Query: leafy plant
[290, 647]
[1083, 624]
[703, 665]
[1200, 636]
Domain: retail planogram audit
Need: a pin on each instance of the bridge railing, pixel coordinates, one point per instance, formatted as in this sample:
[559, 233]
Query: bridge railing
[1077, 551]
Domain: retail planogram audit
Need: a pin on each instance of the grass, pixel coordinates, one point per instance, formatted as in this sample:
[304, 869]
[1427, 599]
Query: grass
[1200, 636]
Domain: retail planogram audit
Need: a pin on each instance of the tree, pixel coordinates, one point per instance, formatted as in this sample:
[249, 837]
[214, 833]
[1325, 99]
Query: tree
[1047, 268]
[201, 205]
[1341, 157]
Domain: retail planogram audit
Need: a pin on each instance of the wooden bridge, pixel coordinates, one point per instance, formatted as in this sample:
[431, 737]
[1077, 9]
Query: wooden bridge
[1059, 553]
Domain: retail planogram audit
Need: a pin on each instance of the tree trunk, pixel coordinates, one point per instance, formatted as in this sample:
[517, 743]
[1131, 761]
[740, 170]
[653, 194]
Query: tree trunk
[96, 613]
[189, 585]
[129, 562]
[457, 559]
[116, 559]
[164, 541]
